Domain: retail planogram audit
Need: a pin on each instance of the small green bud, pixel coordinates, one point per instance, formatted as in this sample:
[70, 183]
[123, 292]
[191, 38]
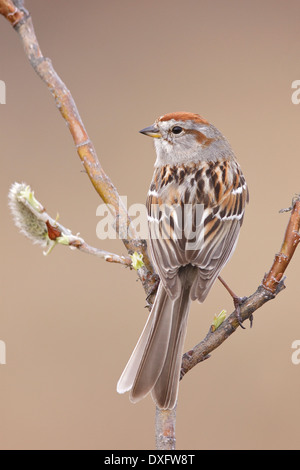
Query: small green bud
[28, 195]
[218, 320]
[63, 239]
[137, 260]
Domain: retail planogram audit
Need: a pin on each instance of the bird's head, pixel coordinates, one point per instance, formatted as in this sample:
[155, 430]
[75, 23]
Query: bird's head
[183, 137]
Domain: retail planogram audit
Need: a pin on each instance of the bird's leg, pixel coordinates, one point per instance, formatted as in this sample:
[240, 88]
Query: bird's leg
[237, 302]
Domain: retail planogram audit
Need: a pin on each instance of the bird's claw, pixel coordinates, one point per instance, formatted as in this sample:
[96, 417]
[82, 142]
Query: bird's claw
[238, 301]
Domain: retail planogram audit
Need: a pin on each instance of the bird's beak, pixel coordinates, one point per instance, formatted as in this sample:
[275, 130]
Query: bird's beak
[151, 131]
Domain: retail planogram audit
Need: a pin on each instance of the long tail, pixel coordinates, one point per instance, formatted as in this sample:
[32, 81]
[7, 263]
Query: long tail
[155, 363]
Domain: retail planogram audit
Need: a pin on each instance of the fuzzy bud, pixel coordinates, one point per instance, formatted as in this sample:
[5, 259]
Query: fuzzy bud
[24, 208]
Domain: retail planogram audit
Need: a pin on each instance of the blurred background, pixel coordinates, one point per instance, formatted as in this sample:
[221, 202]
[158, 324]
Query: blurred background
[69, 320]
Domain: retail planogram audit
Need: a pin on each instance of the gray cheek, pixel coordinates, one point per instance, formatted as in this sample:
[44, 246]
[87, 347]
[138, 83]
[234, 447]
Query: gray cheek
[157, 145]
[163, 148]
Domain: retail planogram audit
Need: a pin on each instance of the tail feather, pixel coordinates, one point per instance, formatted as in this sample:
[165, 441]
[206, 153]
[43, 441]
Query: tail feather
[165, 390]
[155, 363]
[148, 339]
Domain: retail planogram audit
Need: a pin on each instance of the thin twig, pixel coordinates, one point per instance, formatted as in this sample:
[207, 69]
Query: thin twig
[272, 284]
[16, 14]
[290, 243]
[109, 257]
[165, 429]
[11, 12]
[33, 220]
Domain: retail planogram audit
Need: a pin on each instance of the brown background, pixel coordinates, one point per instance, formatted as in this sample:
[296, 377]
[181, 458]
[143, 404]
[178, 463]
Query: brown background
[69, 320]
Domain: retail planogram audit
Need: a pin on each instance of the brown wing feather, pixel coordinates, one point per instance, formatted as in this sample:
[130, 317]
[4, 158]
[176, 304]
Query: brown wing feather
[179, 237]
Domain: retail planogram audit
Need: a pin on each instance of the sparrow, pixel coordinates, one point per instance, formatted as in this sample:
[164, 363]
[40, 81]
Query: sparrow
[195, 205]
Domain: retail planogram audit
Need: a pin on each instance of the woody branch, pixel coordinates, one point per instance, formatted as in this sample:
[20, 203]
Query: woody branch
[20, 19]
[272, 284]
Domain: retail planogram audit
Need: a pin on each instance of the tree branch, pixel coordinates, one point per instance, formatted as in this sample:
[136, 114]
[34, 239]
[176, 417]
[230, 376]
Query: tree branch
[165, 429]
[289, 245]
[31, 217]
[271, 286]
[16, 14]
[11, 11]
[109, 257]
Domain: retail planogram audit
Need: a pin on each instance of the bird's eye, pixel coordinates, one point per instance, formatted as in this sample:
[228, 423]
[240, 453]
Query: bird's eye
[177, 129]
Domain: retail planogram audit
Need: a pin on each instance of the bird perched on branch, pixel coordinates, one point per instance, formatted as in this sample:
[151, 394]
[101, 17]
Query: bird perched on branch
[195, 205]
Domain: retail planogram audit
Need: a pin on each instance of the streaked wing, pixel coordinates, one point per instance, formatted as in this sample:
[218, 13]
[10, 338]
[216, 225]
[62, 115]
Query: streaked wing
[195, 214]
